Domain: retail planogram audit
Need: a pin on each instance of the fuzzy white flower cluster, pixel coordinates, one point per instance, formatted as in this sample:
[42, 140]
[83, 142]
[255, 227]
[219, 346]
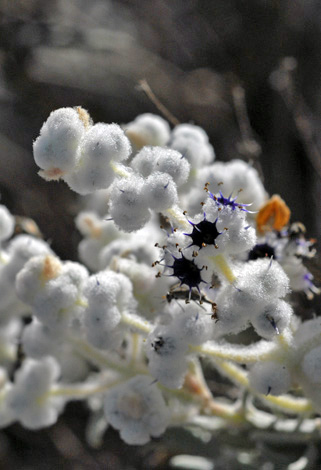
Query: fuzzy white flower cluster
[255, 298]
[174, 267]
[71, 148]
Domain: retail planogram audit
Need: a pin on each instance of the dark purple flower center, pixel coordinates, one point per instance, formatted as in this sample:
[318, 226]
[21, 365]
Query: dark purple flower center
[187, 272]
[263, 250]
[204, 233]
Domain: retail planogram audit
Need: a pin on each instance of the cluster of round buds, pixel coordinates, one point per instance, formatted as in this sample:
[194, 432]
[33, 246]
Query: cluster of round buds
[28, 400]
[18, 251]
[167, 346]
[13, 255]
[82, 154]
[151, 160]
[97, 232]
[158, 173]
[108, 295]
[255, 298]
[57, 149]
[38, 341]
[128, 204]
[53, 289]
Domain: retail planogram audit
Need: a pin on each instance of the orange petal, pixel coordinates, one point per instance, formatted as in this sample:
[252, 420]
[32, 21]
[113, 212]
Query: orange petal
[275, 214]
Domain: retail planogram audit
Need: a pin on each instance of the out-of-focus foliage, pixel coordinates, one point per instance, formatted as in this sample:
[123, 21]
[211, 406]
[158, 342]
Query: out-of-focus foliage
[193, 54]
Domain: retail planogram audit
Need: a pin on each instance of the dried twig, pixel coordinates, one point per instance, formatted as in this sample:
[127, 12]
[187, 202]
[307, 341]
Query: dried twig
[143, 84]
[282, 81]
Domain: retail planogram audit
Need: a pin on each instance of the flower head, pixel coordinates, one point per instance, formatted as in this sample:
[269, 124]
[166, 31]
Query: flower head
[187, 271]
[204, 233]
[228, 202]
[137, 409]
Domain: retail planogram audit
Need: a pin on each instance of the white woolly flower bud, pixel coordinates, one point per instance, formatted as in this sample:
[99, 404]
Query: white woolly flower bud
[29, 400]
[172, 162]
[20, 250]
[148, 129]
[190, 131]
[6, 223]
[196, 153]
[128, 204]
[164, 160]
[241, 236]
[144, 161]
[193, 325]
[91, 225]
[273, 320]
[137, 409]
[161, 191]
[89, 253]
[141, 276]
[270, 378]
[148, 289]
[109, 294]
[9, 340]
[166, 353]
[135, 246]
[34, 274]
[260, 282]
[38, 340]
[98, 232]
[73, 367]
[231, 318]
[56, 150]
[101, 145]
[55, 289]
[274, 282]
[101, 328]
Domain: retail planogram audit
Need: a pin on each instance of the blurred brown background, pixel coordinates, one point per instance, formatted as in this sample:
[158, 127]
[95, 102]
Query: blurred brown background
[193, 53]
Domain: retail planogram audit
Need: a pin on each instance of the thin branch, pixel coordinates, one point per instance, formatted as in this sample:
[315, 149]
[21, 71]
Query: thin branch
[144, 86]
[282, 81]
